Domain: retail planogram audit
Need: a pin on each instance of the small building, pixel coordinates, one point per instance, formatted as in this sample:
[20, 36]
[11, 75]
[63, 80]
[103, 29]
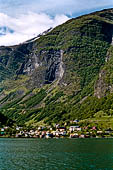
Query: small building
[61, 129]
[2, 129]
[63, 133]
[99, 132]
[75, 135]
[76, 121]
[49, 135]
[94, 128]
[82, 136]
[74, 128]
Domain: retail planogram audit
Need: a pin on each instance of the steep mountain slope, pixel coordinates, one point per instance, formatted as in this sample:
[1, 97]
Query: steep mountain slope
[62, 75]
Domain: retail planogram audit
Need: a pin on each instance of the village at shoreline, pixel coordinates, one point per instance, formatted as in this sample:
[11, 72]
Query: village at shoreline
[67, 131]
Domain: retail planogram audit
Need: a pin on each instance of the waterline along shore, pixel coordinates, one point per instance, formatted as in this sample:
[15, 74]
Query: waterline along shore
[67, 131]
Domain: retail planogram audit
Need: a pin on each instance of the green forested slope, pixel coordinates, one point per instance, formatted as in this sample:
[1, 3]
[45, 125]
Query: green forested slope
[64, 75]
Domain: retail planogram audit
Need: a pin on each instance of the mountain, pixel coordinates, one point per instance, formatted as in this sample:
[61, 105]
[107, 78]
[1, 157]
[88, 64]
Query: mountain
[64, 74]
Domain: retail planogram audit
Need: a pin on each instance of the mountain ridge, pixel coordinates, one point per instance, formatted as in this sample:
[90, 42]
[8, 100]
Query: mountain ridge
[62, 75]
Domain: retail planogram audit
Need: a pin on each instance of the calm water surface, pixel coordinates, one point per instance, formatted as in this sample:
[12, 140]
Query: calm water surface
[56, 154]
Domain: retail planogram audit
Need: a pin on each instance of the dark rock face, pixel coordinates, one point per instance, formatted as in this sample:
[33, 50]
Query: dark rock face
[44, 68]
[101, 87]
[13, 59]
[97, 26]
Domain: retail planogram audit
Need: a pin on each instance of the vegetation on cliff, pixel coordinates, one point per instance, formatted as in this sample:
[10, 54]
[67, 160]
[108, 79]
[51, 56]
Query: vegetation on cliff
[64, 75]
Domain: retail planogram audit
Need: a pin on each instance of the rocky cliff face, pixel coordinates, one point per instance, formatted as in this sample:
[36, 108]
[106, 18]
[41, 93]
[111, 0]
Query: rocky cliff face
[45, 68]
[42, 68]
[104, 84]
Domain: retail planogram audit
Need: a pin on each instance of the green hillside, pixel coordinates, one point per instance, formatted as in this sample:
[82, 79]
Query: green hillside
[64, 75]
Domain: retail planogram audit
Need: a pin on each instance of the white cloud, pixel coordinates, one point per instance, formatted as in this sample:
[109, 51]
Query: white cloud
[16, 16]
[27, 26]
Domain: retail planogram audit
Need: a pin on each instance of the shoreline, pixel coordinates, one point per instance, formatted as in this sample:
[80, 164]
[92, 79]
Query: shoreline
[11, 137]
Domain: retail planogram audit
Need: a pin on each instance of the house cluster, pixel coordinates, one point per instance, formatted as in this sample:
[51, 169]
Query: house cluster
[70, 131]
[43, 132]
[92, 132]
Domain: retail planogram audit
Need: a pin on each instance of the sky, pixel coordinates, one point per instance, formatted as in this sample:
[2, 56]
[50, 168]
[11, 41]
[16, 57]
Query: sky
[21, 20]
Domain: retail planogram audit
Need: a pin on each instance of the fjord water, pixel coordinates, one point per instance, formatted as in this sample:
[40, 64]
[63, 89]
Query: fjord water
[56, 154]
